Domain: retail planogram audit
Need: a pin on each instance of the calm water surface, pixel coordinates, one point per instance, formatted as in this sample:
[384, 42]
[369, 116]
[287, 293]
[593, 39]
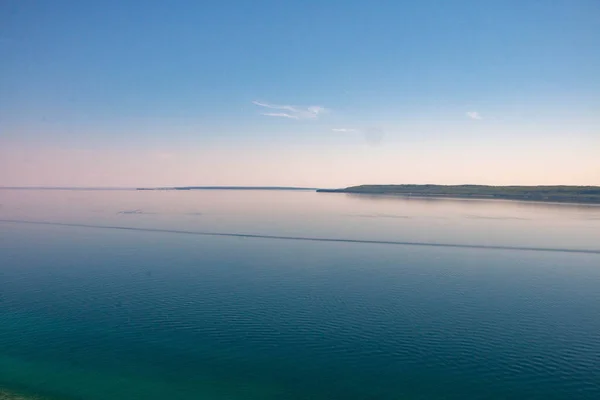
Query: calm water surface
[92, 311]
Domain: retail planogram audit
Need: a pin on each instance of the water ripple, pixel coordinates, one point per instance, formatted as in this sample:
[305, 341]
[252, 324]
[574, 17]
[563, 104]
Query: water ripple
[309, 239]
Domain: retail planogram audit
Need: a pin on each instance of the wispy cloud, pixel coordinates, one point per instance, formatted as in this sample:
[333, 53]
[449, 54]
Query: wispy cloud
[344, 130]
[284, 115]
[474, 115]
[292, 112]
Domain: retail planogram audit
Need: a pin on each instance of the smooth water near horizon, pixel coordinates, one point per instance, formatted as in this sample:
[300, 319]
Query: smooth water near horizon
[294, 298]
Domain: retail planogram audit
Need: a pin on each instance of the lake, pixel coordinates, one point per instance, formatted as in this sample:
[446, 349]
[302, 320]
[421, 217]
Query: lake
[124, 294]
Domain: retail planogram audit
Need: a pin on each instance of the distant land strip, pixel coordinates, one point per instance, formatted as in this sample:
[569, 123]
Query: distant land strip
[159, 188]
[307, 239]
[559, 194]
[228, 188]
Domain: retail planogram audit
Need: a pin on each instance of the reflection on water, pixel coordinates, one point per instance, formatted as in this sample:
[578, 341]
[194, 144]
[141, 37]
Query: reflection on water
[303, 238]
[149, 312]
[306, 213]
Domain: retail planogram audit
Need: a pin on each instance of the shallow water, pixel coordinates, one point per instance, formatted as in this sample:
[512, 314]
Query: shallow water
[89, 310]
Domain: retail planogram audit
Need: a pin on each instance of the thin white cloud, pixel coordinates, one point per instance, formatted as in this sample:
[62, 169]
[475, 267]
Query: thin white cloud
[274, 106]
[284, 115]
[474, 115]
[344, 130]
[293, 112]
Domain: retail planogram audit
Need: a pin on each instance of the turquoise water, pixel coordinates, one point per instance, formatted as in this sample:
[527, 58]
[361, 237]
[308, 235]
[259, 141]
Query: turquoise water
[92, 311]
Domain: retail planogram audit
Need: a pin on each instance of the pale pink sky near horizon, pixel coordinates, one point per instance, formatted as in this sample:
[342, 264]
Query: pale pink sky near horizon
[346, 160]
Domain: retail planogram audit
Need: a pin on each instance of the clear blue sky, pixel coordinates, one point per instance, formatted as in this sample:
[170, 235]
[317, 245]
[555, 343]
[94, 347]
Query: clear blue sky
[310, 93]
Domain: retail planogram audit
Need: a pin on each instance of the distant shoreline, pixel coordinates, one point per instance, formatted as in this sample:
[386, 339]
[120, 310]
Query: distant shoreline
[230, 188]
[158, 188]
[548, 194]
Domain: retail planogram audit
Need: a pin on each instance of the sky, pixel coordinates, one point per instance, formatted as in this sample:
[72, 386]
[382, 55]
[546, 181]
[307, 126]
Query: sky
[299, 93]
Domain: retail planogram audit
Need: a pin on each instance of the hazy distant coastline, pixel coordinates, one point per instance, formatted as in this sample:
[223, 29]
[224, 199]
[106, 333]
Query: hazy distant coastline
[553, 194]
[562, 194]
[228, 188]
[158, 188]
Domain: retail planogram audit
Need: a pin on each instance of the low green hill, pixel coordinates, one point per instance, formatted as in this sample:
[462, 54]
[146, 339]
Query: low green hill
[577, 194]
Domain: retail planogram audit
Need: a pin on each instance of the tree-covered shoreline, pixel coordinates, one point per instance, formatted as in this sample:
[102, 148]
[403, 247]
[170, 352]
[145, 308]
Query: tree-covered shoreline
[570, 194]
